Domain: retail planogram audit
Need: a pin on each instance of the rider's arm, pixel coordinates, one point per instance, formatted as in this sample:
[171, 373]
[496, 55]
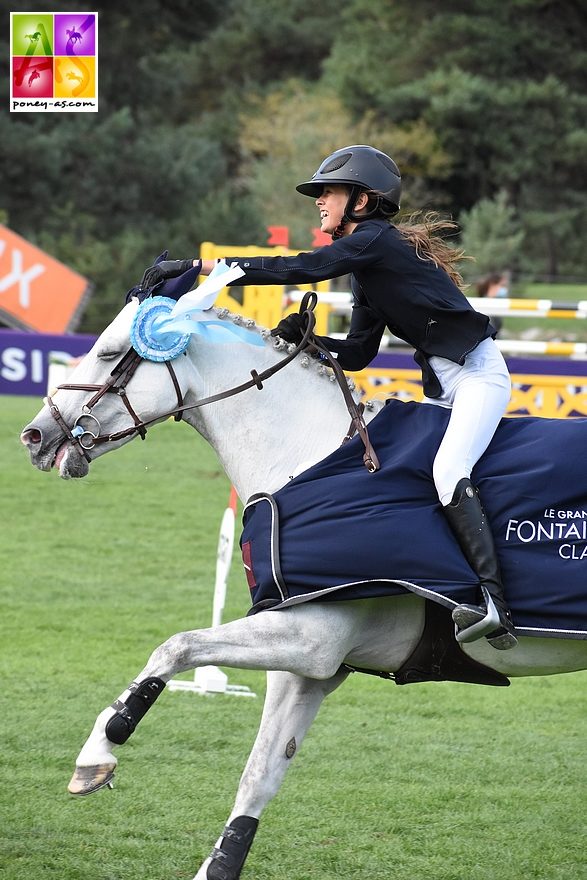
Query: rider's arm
[207, 266]
[362, 342]
[343, 256]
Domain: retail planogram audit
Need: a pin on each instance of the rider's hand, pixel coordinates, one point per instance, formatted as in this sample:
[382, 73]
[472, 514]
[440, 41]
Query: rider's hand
[291, 329]
[165, 269]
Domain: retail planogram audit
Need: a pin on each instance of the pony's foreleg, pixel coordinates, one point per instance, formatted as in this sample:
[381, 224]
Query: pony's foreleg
[291, 704]
[96, 763]
[293, 641]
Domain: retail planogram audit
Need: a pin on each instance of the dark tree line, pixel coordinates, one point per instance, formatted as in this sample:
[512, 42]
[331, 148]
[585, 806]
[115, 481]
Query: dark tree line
[211, 111]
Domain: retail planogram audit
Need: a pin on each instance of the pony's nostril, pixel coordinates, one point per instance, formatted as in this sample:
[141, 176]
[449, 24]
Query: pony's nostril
[30, 436]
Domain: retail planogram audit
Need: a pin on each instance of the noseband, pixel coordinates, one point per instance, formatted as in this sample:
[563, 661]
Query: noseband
[125, 370]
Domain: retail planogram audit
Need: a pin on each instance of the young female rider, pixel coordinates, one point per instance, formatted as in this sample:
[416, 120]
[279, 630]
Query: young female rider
[404, 277]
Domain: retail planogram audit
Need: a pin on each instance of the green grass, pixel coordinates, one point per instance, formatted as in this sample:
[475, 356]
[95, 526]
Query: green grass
[545, 290]
[428, 782]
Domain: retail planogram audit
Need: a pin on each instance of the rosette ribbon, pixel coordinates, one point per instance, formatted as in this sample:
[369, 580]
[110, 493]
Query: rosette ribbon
[162, 327]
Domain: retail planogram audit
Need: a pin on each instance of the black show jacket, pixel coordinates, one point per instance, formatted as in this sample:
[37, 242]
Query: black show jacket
[391, 286]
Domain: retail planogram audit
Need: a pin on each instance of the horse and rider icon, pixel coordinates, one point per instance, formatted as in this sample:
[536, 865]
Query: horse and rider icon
[73, 35]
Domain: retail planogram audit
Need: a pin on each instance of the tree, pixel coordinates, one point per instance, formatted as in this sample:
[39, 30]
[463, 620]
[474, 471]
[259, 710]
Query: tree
[285, 135]
[211, 113]
[492, 235]
[505, 96]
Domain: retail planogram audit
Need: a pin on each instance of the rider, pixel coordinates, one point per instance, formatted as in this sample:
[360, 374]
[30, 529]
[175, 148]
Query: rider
[404, 276]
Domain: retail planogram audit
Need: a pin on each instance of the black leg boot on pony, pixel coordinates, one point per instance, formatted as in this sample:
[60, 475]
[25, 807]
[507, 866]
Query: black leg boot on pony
[469, 524]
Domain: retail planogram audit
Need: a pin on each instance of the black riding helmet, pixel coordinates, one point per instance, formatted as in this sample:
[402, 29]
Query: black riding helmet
[362, 168]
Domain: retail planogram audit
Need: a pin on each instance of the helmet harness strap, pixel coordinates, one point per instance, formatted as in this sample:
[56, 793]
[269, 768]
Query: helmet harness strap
[349, 213]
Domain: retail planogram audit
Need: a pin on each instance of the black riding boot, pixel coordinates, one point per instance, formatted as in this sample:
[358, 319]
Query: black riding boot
[469, 524]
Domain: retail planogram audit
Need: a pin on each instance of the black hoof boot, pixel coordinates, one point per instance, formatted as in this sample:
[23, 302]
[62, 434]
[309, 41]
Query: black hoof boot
[227, 860]
[129, 712]
[469, 524]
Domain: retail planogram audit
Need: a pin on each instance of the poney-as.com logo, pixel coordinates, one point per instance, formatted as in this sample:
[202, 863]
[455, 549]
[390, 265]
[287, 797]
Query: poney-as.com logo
[54, 62]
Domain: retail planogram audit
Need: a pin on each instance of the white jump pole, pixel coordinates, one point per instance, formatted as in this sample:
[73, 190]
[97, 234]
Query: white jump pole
[59, 369]
[210, 679]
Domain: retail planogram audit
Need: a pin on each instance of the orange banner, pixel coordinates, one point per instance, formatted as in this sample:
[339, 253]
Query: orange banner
[36, 291]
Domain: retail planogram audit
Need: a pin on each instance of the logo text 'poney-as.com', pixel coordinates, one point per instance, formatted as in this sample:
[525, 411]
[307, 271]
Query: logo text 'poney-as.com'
[54, 62]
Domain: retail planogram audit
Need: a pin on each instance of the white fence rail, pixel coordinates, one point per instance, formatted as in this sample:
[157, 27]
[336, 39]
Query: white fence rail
[340, 303]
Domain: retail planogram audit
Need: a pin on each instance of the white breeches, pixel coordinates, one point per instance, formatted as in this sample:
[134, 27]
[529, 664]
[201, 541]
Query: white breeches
[478, 394]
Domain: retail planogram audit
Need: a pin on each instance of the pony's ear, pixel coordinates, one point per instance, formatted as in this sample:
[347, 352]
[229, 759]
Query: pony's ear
[137, 291]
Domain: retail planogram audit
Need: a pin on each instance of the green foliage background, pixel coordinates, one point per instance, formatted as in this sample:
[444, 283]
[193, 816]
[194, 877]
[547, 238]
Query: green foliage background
[212, 111]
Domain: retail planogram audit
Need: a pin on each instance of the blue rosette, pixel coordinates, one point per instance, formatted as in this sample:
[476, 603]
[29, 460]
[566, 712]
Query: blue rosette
[148, 340]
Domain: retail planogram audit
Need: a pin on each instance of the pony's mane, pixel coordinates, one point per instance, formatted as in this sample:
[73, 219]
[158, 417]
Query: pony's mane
[278, 344]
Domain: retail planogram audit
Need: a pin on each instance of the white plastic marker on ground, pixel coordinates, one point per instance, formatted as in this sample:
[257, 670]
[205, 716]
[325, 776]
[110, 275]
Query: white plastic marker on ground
[210, 679]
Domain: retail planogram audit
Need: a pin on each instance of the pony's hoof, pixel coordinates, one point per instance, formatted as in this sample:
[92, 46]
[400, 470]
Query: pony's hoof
[87, 780]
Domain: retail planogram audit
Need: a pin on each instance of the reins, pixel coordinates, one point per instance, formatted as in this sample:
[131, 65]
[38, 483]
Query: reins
[356, 410]
[125, 369]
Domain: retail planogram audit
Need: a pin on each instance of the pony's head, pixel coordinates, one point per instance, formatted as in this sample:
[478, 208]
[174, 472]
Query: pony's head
[104, 404]
[126, 383]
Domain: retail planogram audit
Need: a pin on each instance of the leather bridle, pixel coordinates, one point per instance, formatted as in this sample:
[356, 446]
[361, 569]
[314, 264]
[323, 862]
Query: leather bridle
[125, 369]
[81, 434]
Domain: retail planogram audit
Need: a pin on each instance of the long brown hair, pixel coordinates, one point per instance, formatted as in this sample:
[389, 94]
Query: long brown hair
[424, 232]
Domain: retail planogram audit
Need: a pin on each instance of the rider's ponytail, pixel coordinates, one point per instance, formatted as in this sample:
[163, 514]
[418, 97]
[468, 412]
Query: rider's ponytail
[424, 232]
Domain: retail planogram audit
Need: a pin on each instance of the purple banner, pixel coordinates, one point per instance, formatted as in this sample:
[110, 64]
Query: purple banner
[24, 359]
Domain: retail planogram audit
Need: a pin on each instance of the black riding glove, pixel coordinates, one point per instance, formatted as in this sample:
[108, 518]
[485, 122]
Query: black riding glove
[165, 269]
[291, 329]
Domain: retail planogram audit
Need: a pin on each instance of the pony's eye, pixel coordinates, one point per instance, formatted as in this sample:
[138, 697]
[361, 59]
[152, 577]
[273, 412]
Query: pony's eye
[108, 354]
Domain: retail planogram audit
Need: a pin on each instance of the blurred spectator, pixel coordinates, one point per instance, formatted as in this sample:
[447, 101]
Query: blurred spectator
[496, 284]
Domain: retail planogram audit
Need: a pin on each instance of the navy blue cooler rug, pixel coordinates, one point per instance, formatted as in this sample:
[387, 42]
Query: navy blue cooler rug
[338, 532]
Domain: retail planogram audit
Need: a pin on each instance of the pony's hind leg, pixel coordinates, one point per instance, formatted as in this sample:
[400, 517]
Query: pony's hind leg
[291, 640]
[291, 704]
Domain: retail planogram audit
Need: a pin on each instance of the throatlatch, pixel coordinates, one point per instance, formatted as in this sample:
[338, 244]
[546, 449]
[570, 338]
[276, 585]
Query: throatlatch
[130, 711]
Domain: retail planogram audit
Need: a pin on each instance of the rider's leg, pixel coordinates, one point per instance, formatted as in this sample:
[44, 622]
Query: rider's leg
[479, 393]
[467, 519]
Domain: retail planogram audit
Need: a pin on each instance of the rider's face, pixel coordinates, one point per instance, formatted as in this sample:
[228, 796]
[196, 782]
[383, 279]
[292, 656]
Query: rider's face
[331, 204]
